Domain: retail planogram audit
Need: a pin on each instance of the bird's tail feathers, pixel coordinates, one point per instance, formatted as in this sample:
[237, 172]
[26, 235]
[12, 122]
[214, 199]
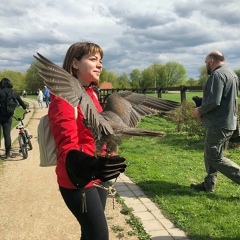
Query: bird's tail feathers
[143, 132]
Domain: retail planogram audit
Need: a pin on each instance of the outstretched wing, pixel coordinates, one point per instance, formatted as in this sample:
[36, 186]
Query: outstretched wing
[131, 107]
[60, 81]
[64, 85]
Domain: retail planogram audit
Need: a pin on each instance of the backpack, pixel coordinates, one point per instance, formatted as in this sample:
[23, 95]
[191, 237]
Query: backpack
[46, 143]
[9, 104]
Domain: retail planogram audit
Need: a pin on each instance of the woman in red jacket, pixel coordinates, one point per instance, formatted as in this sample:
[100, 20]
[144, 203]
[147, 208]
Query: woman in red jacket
[77, 167]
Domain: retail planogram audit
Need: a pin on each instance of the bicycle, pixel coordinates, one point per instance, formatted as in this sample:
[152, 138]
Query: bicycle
[24, 137]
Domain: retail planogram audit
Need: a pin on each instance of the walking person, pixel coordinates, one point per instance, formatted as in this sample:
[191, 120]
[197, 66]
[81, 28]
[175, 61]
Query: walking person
[47, 96]
[40, 98]
[24, 93]
[78, 170]
[219, 113]
[6, 117]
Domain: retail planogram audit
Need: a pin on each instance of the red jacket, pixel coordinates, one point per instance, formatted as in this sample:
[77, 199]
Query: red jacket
[70, 133]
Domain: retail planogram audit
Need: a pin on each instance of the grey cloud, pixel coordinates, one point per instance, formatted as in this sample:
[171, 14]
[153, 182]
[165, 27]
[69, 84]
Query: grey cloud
[225, 12]
[172, 36]
[13, 9]
[139, 20]
[132, 34]
[33, 38]
[12, 12]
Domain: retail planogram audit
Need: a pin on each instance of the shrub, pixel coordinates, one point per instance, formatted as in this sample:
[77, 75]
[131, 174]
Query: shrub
[183, 117]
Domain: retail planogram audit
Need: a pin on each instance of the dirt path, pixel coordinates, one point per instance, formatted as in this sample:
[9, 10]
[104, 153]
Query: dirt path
[30, 203]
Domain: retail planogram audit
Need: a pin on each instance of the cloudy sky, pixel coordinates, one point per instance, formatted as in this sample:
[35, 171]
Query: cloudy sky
[132, 33]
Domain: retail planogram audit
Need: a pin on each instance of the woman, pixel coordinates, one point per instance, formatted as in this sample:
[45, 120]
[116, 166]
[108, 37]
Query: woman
[77, 166]
[6, 119]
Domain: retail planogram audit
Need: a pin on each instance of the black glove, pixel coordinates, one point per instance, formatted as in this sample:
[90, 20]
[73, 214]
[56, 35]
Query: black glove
[83, 168]
[197, 100]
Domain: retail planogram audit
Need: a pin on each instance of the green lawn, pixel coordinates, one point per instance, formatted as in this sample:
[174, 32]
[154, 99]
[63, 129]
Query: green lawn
[176, 96]
[165, 168]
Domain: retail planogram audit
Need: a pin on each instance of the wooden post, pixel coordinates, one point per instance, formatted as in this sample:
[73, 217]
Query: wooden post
[183, 93]
[160, 93]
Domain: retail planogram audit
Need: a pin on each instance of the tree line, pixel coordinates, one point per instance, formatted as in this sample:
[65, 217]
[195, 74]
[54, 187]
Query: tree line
[170, 74]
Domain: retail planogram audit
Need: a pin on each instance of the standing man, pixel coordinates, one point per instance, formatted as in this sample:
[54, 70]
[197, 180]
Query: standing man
[47, 96]
[219, 113]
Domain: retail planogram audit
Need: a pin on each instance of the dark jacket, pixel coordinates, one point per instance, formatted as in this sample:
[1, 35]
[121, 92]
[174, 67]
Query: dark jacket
[3, 92]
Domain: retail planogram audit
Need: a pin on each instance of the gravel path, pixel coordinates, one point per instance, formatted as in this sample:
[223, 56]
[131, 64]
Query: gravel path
[31, 207]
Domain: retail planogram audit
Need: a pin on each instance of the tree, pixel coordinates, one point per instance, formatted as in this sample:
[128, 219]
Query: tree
[147, 78]
[176, 74]
[160, 74]
[17, 79]
[104, 76]
[123, 81]
[156, 72]
[203, 76]
[191, 82]
[33, 80]
[135, 78]
[237, 72]
[113, 78]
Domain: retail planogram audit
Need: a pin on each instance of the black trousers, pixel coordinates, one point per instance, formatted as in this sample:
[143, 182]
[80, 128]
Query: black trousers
[93, 222]
[6, 126]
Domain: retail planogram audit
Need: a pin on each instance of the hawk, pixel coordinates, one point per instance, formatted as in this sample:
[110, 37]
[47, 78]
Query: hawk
[121, 114]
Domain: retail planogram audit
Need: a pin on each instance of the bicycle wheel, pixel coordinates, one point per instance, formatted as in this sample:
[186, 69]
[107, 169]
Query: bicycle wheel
[23, 146]
[28, 137]
[29, 144]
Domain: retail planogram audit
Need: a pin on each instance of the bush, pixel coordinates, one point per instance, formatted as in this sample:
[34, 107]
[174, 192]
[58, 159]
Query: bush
[183, 117]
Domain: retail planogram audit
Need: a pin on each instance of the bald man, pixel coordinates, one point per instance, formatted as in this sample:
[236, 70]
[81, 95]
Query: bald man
[219, 113]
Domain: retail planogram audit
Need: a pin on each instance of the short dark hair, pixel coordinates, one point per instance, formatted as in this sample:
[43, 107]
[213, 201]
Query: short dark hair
[217, 57]
[5, 83]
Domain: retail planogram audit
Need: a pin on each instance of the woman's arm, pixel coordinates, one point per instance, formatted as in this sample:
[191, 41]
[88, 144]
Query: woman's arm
[20, 101]
[63, 125]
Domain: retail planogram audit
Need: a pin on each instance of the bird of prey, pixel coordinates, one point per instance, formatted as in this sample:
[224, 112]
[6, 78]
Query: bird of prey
[121, 114]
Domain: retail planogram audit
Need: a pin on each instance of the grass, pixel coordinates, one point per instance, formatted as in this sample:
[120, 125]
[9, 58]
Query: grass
[176, 96]
[18, 113]
[165, 168]
[134, 222]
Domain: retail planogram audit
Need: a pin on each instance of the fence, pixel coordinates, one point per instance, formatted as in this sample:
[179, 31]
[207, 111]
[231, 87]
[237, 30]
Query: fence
[182, 90]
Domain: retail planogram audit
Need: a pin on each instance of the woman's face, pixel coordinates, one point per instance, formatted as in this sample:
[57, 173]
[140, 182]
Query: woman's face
[88, 68]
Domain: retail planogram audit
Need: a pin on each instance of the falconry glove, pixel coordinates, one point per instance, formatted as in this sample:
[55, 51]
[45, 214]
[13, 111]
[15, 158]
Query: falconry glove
[83, 168]
[197, 100]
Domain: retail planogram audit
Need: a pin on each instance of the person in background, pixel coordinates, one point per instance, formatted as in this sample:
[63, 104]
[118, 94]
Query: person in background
[40, 98]
[24, 93]
[47, 96]
[78, 170]
[6, 120]
[219, 113]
